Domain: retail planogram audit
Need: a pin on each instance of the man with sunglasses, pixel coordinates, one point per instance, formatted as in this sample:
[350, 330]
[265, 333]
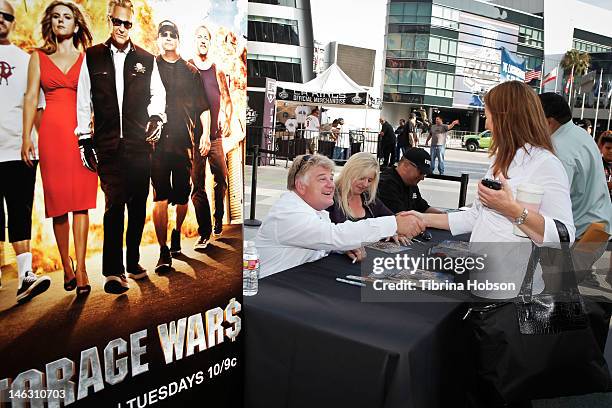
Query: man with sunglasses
[397, 187]
[120, 85]
[17, 179]
[186, 105]
[298, 229]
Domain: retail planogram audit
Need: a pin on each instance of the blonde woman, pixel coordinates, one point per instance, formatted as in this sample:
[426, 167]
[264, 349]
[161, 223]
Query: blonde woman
[355, 196]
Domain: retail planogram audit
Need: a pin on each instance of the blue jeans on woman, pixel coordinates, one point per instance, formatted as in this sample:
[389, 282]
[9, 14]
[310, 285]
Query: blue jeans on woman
[437, 151]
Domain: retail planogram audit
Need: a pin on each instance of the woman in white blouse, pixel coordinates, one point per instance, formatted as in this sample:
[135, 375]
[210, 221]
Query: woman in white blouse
[521, 152]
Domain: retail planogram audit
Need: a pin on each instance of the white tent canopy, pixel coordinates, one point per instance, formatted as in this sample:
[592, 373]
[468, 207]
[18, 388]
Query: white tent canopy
[331, 87]
[332, 80]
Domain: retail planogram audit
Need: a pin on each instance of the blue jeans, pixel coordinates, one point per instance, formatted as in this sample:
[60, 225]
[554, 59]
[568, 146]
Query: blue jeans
[437, 152]
[340, 153]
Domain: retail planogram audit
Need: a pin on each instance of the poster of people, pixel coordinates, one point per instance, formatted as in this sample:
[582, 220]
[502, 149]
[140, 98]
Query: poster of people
[121, 167]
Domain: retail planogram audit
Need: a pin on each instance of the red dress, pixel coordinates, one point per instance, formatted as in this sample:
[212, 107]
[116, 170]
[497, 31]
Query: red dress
[68, 186]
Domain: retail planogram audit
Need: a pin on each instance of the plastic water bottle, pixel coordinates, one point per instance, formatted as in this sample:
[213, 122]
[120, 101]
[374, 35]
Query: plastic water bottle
[250, 269]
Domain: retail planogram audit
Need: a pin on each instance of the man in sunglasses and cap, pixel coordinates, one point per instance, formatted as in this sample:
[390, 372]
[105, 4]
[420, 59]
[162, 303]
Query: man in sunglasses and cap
[121, 90]
[398, 188]
[298, 229]
[186, 104]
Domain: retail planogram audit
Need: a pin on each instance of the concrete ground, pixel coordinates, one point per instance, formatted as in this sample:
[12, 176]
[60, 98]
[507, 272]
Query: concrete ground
[271, 183]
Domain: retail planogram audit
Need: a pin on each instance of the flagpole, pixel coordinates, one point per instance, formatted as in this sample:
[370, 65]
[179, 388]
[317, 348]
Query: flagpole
[571, 79]
[609, 115]
[541, 77]
[597, 110]
[583, 98]
[556, 77]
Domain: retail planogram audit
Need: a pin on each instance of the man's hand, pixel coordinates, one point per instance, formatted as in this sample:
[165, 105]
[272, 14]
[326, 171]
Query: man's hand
[89, 157]
[357, 255]
[28, 153]
[204, 145]
[409, 224]
[455, 122]
[154, 129]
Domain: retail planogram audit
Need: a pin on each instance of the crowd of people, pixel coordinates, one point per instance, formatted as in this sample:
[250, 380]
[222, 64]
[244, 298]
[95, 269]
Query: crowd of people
[533, 142]
[111, 111]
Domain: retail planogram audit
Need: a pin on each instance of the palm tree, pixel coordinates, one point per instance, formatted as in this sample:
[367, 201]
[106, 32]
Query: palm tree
[577, 61]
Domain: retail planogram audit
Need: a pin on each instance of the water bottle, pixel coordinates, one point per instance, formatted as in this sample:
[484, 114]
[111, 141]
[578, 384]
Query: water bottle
[250, 269]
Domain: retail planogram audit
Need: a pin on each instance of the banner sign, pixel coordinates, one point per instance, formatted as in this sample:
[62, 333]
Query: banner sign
[479, 57]
[512, 67]
[323, 98]
[109, 316]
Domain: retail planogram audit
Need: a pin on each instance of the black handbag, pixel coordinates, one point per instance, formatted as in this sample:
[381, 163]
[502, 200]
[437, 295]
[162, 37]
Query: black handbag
[539, 346]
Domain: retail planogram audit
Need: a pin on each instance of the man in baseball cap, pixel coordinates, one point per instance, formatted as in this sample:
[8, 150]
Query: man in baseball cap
[398, 188]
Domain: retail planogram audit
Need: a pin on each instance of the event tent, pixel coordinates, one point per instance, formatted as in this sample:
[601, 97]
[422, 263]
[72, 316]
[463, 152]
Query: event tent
[331, 88]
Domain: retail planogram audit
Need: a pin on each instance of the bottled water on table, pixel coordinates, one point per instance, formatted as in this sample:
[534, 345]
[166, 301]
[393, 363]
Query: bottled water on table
[250, 269]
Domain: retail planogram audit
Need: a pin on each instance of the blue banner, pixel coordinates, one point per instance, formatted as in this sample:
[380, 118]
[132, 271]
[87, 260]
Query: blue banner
[512, 67]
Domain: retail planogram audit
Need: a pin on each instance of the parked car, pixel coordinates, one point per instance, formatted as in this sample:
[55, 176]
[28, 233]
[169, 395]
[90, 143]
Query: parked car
[477, 141]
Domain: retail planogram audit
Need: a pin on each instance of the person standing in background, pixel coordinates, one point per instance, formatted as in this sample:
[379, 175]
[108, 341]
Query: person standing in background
[67, 184]
[312, 128]
[398, 133]
[386, 139]
[129, 109]
[17, 190]
[437, 135]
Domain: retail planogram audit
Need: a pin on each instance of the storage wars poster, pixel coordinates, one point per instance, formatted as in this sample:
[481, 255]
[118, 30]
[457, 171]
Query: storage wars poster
[174, 337]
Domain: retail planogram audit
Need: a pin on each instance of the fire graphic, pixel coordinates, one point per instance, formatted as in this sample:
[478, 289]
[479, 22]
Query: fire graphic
[229, 54]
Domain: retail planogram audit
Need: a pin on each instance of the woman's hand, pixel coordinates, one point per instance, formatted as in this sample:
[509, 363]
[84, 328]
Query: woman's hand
[400, 240]
[357, 255]
[501, 201]
[28, 153]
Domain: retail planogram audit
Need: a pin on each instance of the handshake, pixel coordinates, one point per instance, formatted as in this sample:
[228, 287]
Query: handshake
[410, 223]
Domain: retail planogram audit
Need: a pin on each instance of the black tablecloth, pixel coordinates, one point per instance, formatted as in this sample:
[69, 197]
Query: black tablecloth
[311, 342]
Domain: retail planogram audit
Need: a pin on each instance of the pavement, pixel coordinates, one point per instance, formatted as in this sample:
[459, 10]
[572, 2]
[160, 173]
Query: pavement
[271, 183]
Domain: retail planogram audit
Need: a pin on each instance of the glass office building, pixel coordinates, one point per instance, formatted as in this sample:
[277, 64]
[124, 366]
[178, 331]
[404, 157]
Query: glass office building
[445, 54]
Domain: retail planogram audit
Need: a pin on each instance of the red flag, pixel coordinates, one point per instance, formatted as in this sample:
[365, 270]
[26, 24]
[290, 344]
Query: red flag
[569, 82]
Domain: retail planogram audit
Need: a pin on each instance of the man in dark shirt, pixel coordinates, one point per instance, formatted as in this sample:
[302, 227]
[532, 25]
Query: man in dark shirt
[387, 140]
[397, 187]
[209, 147]
[173, 155]
[398, 135]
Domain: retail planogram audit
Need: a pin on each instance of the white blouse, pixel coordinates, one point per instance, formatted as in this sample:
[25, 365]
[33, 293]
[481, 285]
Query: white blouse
[507, 253]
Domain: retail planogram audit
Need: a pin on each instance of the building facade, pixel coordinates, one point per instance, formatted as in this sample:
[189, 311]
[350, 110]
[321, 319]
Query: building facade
[443, 55]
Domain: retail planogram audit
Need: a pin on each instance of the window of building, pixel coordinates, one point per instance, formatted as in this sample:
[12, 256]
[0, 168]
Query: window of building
[280, 68]
[445, 17]
[442, 49]
[288, 3]
[405, 80]
[586, 46]
[407, 45]
[439, 84]
[531, 37]
[273, 30]
[410, 13]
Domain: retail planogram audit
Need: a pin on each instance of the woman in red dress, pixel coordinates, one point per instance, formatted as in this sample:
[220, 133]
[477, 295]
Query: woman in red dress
[68, 186]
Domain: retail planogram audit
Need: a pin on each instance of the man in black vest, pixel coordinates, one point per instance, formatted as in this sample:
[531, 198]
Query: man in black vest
[186, 105]
[120, 81]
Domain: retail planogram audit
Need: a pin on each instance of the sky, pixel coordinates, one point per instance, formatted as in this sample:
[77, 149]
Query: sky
[360, 23]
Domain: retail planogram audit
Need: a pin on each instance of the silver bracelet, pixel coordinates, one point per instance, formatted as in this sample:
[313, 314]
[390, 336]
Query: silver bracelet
[521, 219]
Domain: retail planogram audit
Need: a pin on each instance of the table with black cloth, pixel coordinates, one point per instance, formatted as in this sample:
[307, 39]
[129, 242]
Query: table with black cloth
[311, 342]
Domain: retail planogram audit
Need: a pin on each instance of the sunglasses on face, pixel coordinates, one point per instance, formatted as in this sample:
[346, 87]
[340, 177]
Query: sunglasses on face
[8, 17]
[117, 22]
[169, 34]
[300, 166]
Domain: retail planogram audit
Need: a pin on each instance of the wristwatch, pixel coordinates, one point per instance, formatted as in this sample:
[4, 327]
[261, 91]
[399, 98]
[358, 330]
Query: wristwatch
[521, 219]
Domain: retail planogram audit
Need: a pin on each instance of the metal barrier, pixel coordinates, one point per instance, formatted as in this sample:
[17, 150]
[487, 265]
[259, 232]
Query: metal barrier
[287, 145]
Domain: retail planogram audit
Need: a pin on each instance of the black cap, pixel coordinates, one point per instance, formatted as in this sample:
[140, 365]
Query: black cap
[168, 25]
[421, 158]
